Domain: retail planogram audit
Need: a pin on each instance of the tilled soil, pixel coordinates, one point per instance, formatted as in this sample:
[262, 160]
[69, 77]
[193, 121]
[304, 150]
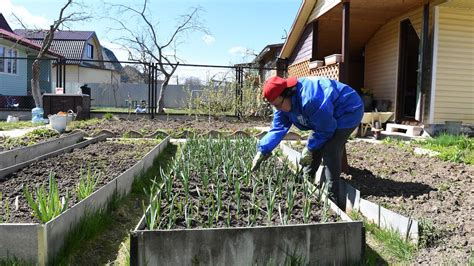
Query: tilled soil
[172, 126]
[111, 158]
[432, 191]
[426, 188]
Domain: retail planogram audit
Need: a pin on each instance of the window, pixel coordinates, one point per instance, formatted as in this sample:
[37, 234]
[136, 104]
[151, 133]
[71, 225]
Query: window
[10, 64]
[90, 51]
[2, 61]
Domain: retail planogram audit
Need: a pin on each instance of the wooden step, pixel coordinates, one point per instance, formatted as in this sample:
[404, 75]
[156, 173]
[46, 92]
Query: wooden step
[411, 131]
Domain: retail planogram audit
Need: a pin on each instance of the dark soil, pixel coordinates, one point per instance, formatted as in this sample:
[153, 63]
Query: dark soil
[175, 126]
[430, 190]
[111, 158]
[243, 219]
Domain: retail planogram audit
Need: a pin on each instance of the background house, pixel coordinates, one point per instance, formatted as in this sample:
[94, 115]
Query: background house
[84, 56]
[416, 55]
[267, 58]
[15, 67]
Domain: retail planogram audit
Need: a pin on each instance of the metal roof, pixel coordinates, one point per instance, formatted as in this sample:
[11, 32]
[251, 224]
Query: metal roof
[58, 35]
[23, 41]
[68, 49]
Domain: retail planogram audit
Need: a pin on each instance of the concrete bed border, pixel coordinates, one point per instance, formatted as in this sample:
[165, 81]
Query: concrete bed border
[382, 217]
[322, 243]
[12, 157]
[40, 243]
[58, 151]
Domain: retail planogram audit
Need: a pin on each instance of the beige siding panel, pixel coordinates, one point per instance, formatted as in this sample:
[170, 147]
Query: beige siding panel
[455, 66]
[381, 57]
[381, 62]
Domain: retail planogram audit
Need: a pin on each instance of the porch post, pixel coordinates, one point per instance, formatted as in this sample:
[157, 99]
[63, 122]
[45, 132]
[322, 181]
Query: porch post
[344, 70]
[422, 64]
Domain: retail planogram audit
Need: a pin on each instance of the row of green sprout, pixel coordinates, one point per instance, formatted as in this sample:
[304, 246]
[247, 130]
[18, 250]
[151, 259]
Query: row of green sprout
[210, 184]
[47, 203]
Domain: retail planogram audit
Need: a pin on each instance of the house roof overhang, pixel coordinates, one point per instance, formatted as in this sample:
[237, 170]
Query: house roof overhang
[297, 28]
[16, 39]
[366, 17]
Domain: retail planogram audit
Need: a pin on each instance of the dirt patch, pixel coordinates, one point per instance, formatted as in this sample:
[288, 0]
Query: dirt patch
[426, 188]
[438, 194]
[111, 157]
[174, 126]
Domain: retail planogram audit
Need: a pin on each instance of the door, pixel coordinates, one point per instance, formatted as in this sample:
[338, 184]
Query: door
[407, 72]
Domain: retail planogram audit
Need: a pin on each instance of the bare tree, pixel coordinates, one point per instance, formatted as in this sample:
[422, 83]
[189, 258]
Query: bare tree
[46, 44]
[144, 46]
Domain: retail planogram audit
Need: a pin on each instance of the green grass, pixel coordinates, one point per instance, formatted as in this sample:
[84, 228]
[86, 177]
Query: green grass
[395, 245]
[383, 246]
[13, 261]
[78, 124]
[17, 125]
[458, 149]
[112, 110]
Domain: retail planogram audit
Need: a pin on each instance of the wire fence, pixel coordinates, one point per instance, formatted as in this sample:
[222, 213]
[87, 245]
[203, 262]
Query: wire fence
[134, 87]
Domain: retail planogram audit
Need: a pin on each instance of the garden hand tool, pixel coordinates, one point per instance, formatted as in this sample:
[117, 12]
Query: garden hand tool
[306, 157]
[258, 159]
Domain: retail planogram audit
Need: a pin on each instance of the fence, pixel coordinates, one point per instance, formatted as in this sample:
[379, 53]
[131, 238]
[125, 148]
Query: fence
[124, 86]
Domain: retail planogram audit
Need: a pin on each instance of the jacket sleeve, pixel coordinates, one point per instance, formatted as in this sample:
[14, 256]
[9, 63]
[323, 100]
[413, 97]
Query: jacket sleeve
[280, 126]
[323, 121]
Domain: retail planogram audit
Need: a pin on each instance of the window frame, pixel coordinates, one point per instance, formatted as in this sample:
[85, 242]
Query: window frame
[9, 65]
[90, 51]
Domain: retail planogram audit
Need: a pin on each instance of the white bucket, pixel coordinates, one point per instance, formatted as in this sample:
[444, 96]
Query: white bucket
[58, 122]
[12, 118]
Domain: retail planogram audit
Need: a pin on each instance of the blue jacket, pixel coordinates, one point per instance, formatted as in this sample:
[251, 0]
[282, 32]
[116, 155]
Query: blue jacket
[319, 104]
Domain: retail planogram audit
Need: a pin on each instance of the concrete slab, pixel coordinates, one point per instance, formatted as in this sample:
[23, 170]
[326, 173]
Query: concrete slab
[329, 243]
[19, 240]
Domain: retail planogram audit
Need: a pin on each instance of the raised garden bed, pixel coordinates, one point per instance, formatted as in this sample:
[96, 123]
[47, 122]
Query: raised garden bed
[31, 138]
[209, 208]
[119, 161]
[435, 193]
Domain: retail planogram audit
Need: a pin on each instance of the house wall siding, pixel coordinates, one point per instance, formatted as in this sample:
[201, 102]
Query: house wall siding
[303, 49]
[454, 69]
[14, 84]
[381, 57]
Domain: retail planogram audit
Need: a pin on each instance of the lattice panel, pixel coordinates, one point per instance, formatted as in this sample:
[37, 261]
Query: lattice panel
[299, 70]
[331, 71]
[302, 70]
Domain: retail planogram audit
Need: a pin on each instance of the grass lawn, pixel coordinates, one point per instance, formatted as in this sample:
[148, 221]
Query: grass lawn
[16, 125]
[458, 149]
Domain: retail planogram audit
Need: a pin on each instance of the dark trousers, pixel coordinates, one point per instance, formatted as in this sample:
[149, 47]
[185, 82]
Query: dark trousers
[331, 155]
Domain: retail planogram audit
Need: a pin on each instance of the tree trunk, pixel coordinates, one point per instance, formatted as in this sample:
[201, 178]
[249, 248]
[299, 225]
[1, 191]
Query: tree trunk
[35, 85]
[161, 99]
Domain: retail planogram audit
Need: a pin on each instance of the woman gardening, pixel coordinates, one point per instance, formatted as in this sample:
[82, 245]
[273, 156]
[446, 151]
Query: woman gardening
[331, 109]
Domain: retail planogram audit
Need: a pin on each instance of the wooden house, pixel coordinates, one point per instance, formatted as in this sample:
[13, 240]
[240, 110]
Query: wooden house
[415, 56]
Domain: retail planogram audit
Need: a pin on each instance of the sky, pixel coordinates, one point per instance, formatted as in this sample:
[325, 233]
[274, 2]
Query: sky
[236, 29]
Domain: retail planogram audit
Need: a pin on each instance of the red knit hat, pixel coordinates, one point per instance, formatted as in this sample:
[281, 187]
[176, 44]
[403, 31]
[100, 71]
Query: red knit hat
[274, 86]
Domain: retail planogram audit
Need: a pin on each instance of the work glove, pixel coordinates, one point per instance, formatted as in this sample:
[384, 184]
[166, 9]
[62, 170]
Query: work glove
[306, 157]
[258, 159]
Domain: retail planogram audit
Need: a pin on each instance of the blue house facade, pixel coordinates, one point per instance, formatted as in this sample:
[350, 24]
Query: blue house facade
[16, 58]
